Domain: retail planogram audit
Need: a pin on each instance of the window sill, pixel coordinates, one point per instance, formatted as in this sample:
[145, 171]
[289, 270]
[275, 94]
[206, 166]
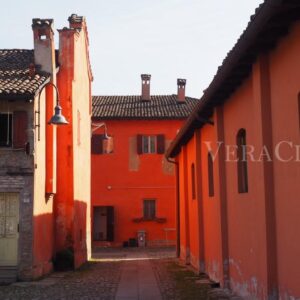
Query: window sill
[158, 220]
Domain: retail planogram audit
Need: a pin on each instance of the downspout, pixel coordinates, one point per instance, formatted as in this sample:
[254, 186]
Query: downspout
[177, 206]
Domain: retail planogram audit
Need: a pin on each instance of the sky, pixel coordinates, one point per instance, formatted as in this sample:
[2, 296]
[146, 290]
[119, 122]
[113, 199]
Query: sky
[168, 39]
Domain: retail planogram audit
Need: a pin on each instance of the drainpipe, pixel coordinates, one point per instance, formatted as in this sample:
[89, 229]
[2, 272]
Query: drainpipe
[177, 206]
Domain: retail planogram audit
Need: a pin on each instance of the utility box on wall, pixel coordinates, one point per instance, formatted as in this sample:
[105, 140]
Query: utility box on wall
[141, 238]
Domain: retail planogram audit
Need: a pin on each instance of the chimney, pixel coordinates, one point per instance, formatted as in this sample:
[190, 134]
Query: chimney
[181, 90]
[44, 51]
[146, 87]
[76, 22]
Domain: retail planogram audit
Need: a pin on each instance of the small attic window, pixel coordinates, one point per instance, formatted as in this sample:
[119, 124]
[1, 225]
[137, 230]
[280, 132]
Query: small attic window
[43, 37]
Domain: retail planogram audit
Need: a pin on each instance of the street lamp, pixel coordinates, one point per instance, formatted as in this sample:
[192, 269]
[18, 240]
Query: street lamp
[57, 118]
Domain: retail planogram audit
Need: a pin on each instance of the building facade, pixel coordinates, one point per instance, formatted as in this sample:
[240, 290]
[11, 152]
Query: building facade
[133, 185]
[38, 201]
[238, 163]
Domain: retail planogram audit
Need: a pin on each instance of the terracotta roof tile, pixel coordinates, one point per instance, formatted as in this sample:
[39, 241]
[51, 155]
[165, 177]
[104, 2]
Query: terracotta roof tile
[14, 73]
[131, 107]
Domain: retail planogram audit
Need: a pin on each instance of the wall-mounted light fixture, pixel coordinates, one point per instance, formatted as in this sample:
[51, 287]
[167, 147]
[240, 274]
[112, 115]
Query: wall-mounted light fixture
[96, 126]
[57, 118]
[103, 140]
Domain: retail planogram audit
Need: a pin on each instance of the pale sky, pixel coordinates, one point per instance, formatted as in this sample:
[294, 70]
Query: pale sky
[168, 39]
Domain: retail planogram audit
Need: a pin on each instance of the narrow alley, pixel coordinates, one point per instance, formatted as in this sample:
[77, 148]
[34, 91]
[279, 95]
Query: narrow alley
[115, 273]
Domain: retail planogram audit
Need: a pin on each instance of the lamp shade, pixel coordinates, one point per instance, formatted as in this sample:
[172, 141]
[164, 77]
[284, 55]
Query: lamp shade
[58, 118]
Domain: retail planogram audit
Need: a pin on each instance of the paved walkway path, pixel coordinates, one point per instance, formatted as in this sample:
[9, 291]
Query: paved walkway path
[122, 274]
[138, 281]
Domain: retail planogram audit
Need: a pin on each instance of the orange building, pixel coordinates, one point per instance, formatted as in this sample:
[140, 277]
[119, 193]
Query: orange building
[238, 163]
[133, 185]
[40, 164]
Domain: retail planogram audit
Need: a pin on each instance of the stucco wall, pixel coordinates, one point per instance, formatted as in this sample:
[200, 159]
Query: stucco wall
[253, 233]
[285, 88]
[124, 178]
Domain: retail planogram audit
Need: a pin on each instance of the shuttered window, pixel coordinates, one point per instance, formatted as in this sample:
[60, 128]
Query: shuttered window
[149, 209]
[97, 144]
[101, 145]
[160, 144]
[5, 130]
[20, 122]
[150, 144]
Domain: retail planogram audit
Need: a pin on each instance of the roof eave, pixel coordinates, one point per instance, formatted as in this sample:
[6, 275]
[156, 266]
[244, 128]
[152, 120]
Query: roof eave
[17, 97]
[234, 58]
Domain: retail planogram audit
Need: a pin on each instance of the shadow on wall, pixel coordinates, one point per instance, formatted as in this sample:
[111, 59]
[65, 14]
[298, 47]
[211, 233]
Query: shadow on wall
[74, 253]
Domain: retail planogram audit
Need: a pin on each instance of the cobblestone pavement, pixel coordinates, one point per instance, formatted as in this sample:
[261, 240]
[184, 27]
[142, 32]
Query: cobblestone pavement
[106, 277]
[96, 280]
[165, 282]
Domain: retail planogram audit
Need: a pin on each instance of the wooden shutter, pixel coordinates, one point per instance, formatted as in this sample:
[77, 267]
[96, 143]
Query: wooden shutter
[160, 144]
[139, 144]
[97, 144]
[20, 122]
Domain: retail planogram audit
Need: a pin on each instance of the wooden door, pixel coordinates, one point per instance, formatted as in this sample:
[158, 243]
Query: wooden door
[110, 223]
[9, 223]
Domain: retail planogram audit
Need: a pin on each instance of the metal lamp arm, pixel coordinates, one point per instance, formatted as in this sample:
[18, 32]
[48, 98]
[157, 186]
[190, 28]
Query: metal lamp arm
[38, 124]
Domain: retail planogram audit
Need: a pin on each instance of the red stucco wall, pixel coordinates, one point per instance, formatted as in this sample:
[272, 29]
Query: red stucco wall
[123, 179]
[249, 241]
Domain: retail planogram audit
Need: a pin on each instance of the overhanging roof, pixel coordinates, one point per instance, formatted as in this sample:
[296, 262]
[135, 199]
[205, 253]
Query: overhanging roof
[271, 21]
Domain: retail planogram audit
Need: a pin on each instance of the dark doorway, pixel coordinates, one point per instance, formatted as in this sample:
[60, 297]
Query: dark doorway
[103, 223]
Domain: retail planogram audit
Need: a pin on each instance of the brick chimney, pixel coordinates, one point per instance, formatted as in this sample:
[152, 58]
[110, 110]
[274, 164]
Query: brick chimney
[76, 22]
[146, 87]
[181, 90]
[44, 50]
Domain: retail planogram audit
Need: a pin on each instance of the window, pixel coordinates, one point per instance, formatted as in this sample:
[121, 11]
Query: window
[13, 127]
[101, 144]
[210, 169]
[193, 181]
[5, 130]
[149, 209]
[242, 162]
[150, 144]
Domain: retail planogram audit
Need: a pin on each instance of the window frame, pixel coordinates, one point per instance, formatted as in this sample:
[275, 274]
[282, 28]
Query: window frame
[10, 130]
[149, 209]
[149, 144]
[242, 164]
[210, 175]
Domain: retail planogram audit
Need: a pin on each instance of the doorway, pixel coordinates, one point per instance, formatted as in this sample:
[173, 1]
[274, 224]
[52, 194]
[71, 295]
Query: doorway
[103, 223]
[9, 229]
